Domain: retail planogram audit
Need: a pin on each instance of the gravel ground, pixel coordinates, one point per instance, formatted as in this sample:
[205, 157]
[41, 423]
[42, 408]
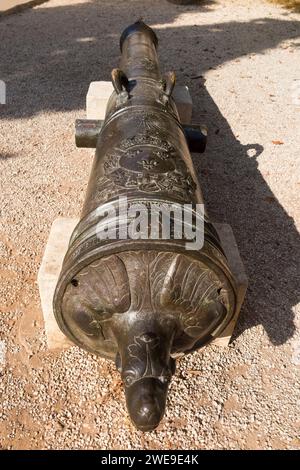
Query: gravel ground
[241, 60]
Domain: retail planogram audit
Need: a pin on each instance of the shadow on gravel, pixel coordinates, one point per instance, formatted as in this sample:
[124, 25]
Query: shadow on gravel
[268, 240]
[22, 7]
[49, 56]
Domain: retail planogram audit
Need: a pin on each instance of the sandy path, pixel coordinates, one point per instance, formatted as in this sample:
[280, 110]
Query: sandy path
[247, 396]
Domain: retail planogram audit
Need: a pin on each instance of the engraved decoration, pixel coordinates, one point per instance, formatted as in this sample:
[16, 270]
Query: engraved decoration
[170, 287]
[145, 162]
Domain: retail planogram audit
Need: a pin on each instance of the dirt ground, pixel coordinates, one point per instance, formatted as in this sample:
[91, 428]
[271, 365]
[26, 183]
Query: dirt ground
[241, 60]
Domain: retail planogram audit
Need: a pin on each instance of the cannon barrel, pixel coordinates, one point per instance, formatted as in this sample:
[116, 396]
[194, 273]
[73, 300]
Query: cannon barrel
[142, 300]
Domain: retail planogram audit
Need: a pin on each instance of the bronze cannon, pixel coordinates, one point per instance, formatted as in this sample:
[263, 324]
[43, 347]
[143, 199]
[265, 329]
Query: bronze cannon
[142, 301]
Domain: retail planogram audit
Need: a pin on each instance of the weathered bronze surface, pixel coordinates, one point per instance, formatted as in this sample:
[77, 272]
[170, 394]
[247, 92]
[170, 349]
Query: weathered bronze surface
[142, 302]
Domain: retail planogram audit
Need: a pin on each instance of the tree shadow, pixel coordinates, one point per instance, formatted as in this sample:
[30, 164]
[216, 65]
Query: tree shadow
[49, 57]
[22, 7]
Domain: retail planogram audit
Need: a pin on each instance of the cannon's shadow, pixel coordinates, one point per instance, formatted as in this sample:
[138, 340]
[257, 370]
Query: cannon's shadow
[51, 54]
[268, 240]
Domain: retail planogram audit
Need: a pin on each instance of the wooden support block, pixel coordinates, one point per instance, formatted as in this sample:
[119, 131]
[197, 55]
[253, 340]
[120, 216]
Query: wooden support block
[99, 93]
[182, 97]
[96, 99]
[236, 266]
[48, 274]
